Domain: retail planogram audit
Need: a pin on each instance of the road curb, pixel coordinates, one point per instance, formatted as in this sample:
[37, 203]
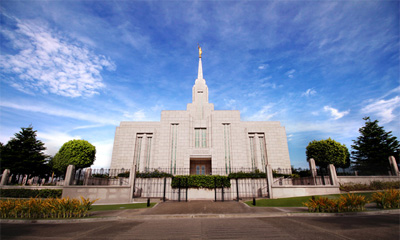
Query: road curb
[202, 216]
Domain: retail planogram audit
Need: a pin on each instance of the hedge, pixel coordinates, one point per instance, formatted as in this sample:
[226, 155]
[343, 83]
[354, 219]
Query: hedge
[30, 193]
[201, 181]
[155, 174]
[374, 185]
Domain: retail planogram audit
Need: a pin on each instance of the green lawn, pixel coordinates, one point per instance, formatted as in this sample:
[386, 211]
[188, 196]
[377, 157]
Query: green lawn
[120, 206]
[295, 201]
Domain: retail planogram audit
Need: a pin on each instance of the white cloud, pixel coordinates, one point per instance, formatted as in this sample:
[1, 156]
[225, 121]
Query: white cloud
[335, 113]
[263, 66]
[54, 140]
[309, 92]
[290, 73]
[263, 115]
[383, 108]
[49, 62]
[103, 154]
[230, 103]
[136, 116]
[56, 111]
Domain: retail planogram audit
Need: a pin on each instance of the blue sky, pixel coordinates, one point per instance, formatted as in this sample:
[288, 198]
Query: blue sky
[75, 69]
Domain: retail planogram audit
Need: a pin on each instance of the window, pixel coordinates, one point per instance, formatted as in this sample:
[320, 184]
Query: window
[200, 137]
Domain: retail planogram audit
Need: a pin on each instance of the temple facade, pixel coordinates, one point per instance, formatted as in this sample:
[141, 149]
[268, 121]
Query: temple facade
[200, 140]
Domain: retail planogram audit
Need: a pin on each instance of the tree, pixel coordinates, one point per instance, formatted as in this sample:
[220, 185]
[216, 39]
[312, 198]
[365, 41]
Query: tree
[372, 149]
[327, 152]
[24, 154]
[79, 153]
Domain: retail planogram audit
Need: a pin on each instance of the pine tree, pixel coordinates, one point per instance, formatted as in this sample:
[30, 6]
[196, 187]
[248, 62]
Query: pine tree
[372, 149]
[23, 154]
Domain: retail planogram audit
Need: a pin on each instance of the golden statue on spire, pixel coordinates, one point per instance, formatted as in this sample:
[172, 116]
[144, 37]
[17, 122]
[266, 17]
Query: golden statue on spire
[200, 52]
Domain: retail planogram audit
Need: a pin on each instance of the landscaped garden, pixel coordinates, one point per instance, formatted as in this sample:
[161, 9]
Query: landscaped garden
[386, 199]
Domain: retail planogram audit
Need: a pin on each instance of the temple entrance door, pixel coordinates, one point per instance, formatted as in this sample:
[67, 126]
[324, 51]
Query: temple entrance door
[200, 166]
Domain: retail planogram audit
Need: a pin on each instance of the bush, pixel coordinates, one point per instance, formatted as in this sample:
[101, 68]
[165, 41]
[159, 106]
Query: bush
[30, 193]
[155, 174]
[374, 185]
[100, 175]
[201, 181]
[387, 199]
[255, 174]
[124, 174]
[45, 208]
[346, 203]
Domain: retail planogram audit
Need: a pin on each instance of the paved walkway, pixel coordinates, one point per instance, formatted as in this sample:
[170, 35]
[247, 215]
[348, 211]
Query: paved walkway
[211, 209]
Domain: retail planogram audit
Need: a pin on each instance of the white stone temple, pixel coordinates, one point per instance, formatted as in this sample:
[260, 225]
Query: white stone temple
[200, 140]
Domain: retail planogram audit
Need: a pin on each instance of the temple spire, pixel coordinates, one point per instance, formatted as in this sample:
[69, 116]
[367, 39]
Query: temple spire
[200, 73]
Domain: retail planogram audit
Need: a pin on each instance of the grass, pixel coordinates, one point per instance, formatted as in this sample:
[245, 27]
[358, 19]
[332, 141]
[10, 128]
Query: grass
[296, 201]
[120, 206]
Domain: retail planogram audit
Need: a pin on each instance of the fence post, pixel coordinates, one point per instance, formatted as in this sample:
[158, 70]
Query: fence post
[237, 188]
[215, 189]
[332, 174]
[132, 180]
[313, 169]
[222, 191]
[179, 189]
[270, 179]
[393, 166]
[165, 186]
[187, 187]
[4, 178]
[69, 175]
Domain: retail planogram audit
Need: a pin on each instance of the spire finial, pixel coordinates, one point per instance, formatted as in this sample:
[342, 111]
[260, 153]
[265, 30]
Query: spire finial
[200, 52]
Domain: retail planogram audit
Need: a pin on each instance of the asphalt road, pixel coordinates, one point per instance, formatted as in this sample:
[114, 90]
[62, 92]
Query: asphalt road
[340, 227]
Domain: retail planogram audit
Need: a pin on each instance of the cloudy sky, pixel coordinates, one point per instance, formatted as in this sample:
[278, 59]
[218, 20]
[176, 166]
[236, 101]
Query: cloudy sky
[75, 69]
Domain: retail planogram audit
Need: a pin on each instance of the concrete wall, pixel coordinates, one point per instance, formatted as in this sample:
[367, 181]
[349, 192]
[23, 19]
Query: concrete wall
[31, 187]
[298, 191]
[104, 194]
[366, 179]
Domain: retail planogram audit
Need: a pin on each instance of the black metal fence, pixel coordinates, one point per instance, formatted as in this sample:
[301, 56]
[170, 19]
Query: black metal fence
[284, 177]
[352, 172]
[161, 188]
[115, 177]
[213, 171]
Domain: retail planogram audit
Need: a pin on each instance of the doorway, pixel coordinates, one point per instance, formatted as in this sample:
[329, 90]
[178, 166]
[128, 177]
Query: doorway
[200, 166]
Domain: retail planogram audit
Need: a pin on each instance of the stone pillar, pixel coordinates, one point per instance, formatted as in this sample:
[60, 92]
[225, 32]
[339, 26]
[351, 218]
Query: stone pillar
[4, 178]
[393, 166]
[88, 173]
[333, 175]
[132, 178]
[313, 169]
[270, 180]
[69, 175]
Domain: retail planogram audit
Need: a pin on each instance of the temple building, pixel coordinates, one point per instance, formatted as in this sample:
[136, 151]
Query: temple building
[200, 140]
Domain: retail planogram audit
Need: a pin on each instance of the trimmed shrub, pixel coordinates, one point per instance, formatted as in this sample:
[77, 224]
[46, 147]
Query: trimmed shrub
[201, 181]
[387, 199]
[374, 185]
[30, 193]
[35, 208]
[255, 174]
[124, 174]
[155, 174]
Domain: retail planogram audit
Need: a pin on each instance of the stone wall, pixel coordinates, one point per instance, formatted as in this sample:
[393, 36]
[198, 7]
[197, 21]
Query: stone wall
[104, 194]
[298, 191]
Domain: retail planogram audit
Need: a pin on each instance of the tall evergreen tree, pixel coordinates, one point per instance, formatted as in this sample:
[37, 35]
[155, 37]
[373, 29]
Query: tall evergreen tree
[372, 149]
[24, 154]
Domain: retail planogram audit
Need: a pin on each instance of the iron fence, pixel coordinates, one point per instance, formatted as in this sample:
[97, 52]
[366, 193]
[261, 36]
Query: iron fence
[161, 188]
[101, 176]
[285, 177]
[213, 171]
